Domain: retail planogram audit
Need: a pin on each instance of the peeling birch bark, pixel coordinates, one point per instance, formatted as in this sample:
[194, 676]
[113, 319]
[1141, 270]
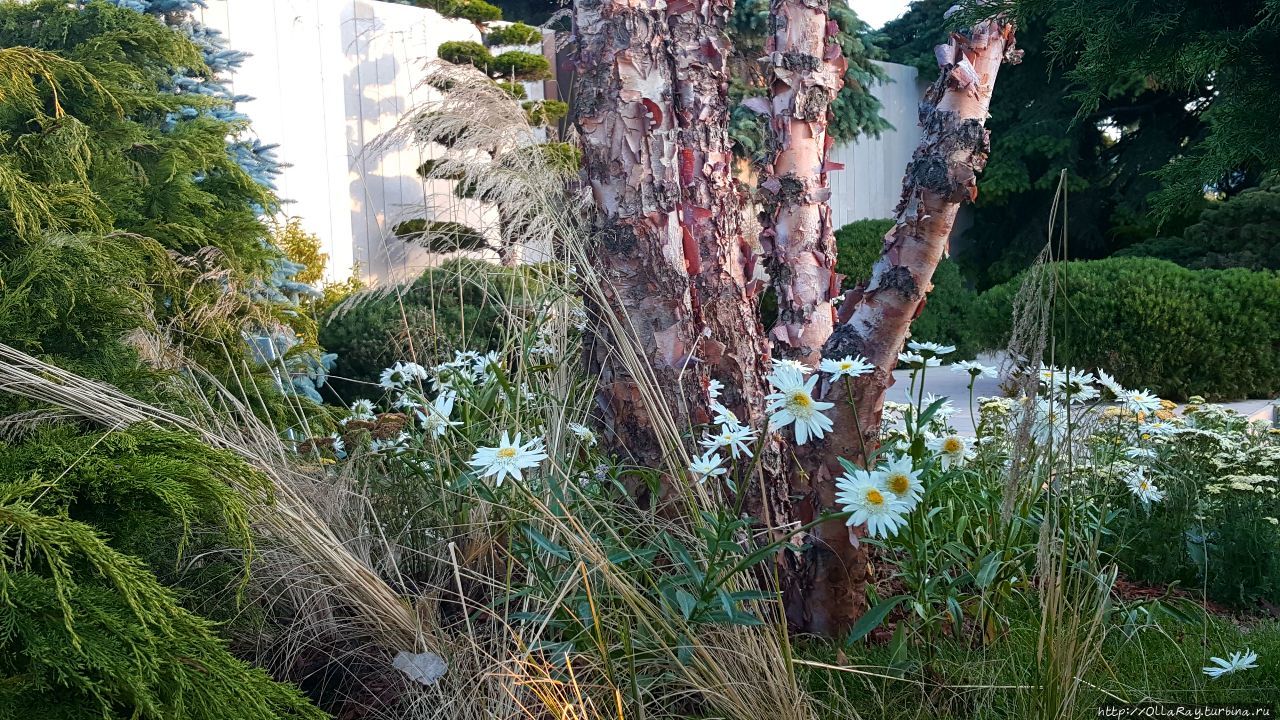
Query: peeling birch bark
[805, 70]
[653, 116]
[625, 116]
[875, 318]
[721, 262]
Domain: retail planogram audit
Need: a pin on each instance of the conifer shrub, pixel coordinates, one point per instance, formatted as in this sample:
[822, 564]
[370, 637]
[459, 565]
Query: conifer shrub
[441, 235]
[477, 11]
[1155, 324]
[1242, 231]
[521, 65]
[546, 112]
[514, 89]
[516, 33]
[465, 52]
[89, 630]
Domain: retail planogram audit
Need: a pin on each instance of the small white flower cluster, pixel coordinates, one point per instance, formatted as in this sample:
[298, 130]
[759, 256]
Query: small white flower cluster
[732, 435]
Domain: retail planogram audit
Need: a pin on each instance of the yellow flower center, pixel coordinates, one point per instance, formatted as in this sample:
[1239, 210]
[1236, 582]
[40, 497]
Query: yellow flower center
[846, 365]
[875, 497]
[506, 453]
[1143, 485]
[951, 445]
[800, 401]
[899, 483]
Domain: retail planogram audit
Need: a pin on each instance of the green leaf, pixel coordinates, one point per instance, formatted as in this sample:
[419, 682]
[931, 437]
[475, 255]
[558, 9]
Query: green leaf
[687, 603]
[987, 569]
[545, 543]
[872, 618]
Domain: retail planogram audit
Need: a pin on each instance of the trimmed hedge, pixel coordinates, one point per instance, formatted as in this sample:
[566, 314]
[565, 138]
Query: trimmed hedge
[946, 314]
[1155, 324]
[457, 305]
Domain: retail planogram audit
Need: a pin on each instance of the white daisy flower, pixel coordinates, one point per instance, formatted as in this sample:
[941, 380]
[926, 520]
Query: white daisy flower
[944, 411]
[916, 361]
[974, 369]
[585, 434]
[869, 504]
[930, 349]
[708, 465]
[723, 415]
[898, 477]
[952, 450]
[435, 421]
[1137, 453]
[397, 376]
[1139, 401]
[1076, 385]
[362, 410]
[1108, 382]
[392, 446]
[487, 365]
[1049, 422]
[793, 403]
[1238, 661]
[509, 458]
[793, 365]
[847, 366]
[339, 447]
[714, 387]
[734, 437]
[1144, 489]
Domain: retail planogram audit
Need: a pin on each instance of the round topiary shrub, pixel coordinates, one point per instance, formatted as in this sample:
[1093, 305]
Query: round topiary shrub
[1155, 324]
[521, 65]
[465, 52]
[460, 304]
[441, 235]
[477, 11]
[514, 34]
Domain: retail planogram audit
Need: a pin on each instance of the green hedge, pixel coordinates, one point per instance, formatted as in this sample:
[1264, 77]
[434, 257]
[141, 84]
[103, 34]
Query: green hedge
[457, 305]
[946, 315]
[1155, 324]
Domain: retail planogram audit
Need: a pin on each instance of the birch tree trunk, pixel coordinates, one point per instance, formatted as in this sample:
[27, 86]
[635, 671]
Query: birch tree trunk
[652, 112]
[875, 318]
[726, 298]
[805, 71]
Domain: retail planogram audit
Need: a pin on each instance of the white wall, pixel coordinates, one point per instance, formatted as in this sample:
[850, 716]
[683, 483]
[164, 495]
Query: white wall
[330, 76]
[871, 181]
[327, 78]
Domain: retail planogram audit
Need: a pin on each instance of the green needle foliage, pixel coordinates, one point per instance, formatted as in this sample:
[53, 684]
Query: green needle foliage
[86, 628]
[1223, 54]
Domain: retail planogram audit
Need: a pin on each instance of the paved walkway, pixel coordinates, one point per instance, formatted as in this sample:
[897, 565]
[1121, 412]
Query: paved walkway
[943, 381]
